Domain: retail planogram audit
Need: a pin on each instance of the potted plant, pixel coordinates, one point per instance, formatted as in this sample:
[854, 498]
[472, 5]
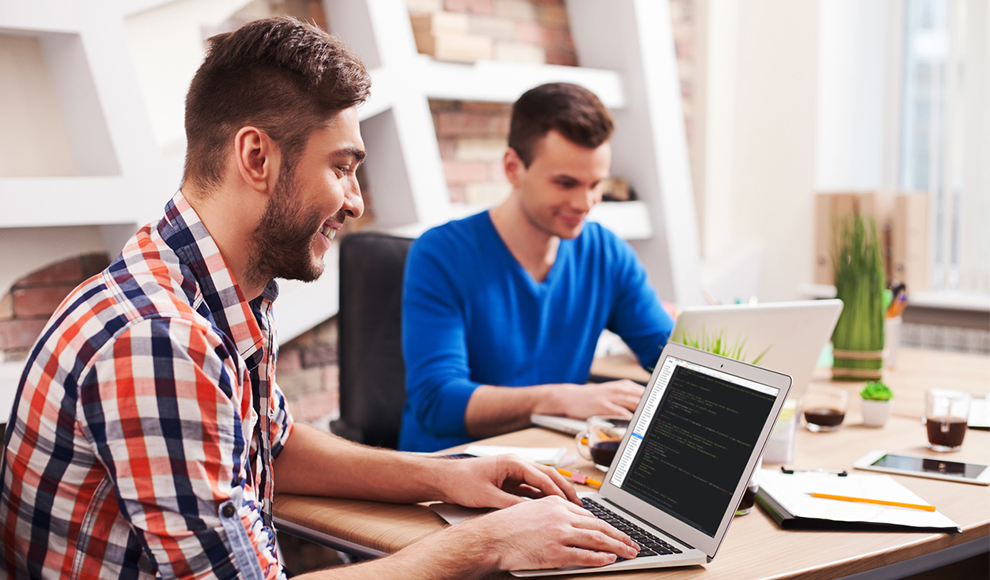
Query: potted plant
[859, 282]
[876, 403]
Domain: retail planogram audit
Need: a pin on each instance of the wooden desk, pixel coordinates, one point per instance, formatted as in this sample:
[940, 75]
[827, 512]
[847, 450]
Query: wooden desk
[754, 547]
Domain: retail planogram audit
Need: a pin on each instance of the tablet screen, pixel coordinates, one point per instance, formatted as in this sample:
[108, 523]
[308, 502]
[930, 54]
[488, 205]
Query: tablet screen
[926, 465]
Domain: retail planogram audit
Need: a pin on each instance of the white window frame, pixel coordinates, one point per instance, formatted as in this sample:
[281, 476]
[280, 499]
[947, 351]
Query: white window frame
[959, 253]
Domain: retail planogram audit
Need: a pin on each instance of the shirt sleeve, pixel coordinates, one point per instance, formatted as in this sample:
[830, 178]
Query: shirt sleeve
[167, 422]
[637, 315]
[438, 384]
[282, 420]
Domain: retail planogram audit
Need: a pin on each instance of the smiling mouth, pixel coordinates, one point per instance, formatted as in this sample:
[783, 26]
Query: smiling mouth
[329, 232]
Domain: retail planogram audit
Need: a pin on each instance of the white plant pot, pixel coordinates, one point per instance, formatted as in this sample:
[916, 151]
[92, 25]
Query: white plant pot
[875, 412]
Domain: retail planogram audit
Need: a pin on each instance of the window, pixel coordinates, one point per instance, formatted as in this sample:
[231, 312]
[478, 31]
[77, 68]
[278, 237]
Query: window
[945, 135]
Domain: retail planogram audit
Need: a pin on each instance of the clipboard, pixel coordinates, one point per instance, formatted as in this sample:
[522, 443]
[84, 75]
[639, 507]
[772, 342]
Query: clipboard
[784, 497]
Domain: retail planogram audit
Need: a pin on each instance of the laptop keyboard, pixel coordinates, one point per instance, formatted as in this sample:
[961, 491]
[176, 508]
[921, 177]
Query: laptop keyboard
[649, 545]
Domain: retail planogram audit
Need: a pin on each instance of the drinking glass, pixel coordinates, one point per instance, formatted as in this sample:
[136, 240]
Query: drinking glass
[946, 417]
[603, 435]
[824, 407]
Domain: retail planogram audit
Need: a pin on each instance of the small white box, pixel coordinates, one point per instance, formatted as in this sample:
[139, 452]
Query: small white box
[780, 446]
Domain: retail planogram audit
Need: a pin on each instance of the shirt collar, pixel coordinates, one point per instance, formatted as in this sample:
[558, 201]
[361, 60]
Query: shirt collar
[185, 233]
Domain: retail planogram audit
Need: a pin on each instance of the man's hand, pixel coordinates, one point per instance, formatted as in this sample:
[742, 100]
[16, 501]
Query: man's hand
[500, 482]
[614, 398]
[549, 533]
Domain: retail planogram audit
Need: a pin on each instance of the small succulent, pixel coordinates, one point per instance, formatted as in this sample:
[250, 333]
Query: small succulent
[876, 391]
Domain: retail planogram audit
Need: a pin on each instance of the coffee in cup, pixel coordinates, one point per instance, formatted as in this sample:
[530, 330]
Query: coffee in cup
[600, 440]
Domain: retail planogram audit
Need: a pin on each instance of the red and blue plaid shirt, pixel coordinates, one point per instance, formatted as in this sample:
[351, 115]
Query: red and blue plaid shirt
[137, 446]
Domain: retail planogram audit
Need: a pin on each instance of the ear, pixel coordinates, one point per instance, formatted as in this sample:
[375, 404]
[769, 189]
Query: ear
[257, 158]
[514, 167]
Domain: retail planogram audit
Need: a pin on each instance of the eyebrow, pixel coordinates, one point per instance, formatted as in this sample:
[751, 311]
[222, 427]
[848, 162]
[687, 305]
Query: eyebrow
[358, 154]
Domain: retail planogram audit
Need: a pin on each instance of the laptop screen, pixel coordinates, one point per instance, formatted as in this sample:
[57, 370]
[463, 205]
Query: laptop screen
[689, 448]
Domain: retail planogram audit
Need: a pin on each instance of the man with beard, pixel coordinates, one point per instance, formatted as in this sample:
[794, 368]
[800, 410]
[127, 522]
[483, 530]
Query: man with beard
[148, 434]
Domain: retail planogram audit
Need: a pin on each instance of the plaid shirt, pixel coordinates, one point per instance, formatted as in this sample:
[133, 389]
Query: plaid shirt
[136, 447]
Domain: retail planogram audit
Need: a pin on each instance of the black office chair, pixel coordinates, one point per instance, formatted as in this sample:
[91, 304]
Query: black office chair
[372, 371]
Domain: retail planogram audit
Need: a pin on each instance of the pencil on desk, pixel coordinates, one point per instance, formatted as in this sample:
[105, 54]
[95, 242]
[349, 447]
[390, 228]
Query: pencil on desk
[927, 508]
[578, 477]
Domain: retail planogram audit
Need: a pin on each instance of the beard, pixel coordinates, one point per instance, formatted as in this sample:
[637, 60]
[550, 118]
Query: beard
[284, 238]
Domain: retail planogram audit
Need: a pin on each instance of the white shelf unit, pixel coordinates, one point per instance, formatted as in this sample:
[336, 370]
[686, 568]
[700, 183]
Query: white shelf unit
[124, 176]
[628, 50]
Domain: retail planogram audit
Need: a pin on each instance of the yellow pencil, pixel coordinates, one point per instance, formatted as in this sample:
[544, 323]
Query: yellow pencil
[578, 477]
[927, 508]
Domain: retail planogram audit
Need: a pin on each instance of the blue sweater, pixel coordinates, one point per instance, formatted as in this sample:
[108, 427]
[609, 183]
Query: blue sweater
[472, 315]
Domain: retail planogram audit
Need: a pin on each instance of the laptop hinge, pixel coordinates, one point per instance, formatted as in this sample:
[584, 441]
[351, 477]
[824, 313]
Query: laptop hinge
[619, 508]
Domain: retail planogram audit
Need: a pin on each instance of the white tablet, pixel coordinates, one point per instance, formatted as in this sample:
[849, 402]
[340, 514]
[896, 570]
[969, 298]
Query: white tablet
[932, 467]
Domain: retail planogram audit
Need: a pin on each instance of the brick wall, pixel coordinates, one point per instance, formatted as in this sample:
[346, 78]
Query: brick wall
[534, 31]
[309, 376]
[25, 309]
[472, 138]
[472, 135]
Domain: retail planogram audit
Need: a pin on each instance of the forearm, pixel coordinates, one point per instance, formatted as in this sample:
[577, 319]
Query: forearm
[317, 463]
[457, 552]
[496, 410]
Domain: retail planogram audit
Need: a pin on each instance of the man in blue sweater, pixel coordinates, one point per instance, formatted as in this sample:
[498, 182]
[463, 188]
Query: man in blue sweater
[502, 310]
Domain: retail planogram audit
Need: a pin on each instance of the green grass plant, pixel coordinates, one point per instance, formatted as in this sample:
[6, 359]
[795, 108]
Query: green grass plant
[859, 283]
[719, 344]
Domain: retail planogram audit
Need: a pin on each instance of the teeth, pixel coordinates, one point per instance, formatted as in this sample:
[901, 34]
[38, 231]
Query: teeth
[333, 234]
[329, 232]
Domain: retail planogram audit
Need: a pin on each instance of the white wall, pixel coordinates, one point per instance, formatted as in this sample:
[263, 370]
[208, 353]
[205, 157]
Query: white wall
[34, 140]
[167, 45]
[774, 165]
[851, 95]
[720, 82]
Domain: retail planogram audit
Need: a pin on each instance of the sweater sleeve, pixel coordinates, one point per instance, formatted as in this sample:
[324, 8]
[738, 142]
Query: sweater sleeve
[637, 315]
[438, 384]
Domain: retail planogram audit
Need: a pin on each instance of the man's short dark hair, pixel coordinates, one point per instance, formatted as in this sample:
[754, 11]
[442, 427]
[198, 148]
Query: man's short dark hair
[280, 75]
[573, 111]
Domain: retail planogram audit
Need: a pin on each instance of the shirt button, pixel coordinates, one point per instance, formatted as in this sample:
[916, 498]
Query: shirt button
[228, 511]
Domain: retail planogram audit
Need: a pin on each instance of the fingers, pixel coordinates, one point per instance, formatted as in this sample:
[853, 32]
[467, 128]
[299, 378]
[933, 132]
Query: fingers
[623, 394]
[549, 533]
[523, 490]
[570, 494]
[540, 477]
[591, 533]
[588, 558]
[601, 541]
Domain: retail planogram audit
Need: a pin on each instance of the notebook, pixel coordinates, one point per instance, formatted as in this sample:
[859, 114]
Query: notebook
[683, 467]
[785, 496]
[789, 335]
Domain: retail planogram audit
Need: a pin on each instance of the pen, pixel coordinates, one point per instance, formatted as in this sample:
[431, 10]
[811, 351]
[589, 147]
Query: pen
[578, 477]
[927, 508]
[832, 471]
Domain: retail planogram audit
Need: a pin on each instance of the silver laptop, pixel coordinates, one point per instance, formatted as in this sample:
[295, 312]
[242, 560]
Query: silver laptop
[683, 467]
[789, 335]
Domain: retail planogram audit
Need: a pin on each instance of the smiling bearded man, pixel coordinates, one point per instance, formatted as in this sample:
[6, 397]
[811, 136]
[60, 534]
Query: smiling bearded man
[149, 433]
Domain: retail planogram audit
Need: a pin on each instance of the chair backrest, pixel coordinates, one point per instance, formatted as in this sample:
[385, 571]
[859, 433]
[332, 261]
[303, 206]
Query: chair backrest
[372, 371]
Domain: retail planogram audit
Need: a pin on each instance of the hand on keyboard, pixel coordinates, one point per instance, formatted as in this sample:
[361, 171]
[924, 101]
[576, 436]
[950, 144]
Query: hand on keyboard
[550, 533]
[649, 545]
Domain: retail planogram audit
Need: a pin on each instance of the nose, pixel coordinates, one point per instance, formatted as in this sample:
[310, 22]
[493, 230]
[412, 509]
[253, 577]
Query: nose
[353, 201]
[585, 201]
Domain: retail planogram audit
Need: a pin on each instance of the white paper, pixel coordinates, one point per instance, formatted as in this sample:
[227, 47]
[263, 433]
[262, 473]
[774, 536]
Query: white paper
[791, 492]
[544, 455]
